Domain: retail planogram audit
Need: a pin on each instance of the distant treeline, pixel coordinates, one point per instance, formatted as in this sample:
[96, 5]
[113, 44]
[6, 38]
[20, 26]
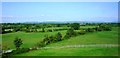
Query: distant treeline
[14, 27]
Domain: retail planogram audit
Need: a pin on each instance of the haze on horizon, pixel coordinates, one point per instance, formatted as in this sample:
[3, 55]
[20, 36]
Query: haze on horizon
[13, 12]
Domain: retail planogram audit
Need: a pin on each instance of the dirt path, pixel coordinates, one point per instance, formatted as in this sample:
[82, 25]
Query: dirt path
[83, 46]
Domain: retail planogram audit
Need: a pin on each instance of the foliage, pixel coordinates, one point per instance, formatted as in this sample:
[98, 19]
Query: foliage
[75, 26]
[90, 30]
[70, 32]
[59, 36]
[21, 50]
[17, 42]
[82, 32]
[41, 44]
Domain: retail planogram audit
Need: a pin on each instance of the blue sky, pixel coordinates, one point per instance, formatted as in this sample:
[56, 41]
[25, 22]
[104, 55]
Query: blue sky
[59, 11]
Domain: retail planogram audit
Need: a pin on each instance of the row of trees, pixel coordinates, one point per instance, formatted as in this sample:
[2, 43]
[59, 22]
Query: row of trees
[33, 27]
[50, 39]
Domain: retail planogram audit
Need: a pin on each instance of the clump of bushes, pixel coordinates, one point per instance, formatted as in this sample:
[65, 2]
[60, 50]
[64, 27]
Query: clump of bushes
[40, 44]
[75, 26]
[82, 32]
[49, 30]
[103, 27]
[70, 32]
[50, 39]
[90, 30]
[21, 50]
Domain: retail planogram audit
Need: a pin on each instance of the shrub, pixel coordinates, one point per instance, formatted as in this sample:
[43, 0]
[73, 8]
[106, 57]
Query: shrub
[49, 30]
[82, 32]
[70, 32]
[17, 42]
[90, 30]
[21, 50]
[75, 26]
[41, 44]
[48, 39]
[59, 36]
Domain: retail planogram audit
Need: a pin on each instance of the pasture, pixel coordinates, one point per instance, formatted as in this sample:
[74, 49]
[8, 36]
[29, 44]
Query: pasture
[104, 37]
[30, 40]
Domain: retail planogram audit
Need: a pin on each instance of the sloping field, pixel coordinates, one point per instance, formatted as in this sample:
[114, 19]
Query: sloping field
[29, 39]
[104, 37]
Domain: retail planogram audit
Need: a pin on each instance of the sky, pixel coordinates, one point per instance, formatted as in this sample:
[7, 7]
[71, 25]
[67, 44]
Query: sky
[13, 12]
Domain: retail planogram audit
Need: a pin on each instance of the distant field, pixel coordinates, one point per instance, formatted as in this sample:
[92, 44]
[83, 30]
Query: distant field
[104, 37]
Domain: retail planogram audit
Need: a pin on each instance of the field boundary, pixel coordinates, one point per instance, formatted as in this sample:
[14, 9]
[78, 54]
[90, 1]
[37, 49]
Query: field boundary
[83, 46]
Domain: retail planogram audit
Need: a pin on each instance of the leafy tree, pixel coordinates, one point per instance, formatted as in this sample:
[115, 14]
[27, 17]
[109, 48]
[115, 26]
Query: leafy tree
[103, 27]
[82, 32]
[70, 32]
[75, 26]
[46, 39]
[90, 30]
[17, 42]
[59, 36]
[43, 29]
[58, 25]
[41, 44]
[68, 24]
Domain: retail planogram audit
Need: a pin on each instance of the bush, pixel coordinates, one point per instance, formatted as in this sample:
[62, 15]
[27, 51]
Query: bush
[82, 32]
[75, 26]
[49, 30]
[21, 50]
[90, 30]
[17, 42]
[41, 44]
[103, 27]
[66, 36]
[70, 32]
[59, 36]
[48, 39]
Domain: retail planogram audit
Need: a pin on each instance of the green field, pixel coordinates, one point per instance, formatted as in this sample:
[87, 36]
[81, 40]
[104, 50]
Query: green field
[30, 39]
[73, 52]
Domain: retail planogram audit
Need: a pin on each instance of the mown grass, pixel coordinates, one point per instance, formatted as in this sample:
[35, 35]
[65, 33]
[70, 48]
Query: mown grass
[73, 52]
[104, 37]
[29, 39]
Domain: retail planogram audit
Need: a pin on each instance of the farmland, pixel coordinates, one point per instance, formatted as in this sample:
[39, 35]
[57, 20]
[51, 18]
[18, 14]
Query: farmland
[31, 38]
[94, 38]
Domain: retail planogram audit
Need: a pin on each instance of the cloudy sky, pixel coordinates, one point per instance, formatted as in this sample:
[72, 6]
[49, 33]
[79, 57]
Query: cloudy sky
[59, 11]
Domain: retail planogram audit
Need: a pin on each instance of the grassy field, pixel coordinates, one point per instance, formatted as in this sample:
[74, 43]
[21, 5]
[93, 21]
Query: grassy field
[30, 39]
[104, 37]
[73, 52]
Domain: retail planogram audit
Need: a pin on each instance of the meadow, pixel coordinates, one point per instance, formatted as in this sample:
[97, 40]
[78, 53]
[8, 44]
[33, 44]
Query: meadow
[104, 37]
[30, 40]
